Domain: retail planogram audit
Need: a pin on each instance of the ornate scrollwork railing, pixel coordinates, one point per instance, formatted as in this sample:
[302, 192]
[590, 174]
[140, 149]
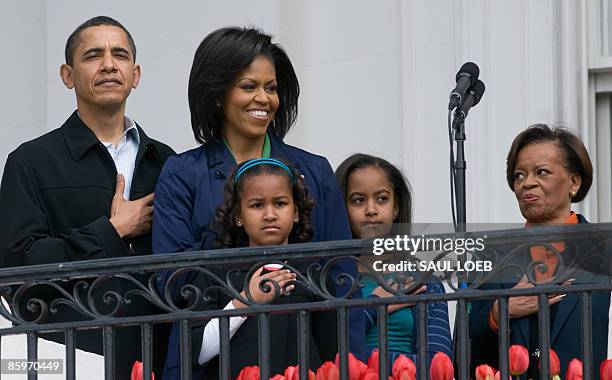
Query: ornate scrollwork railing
[106, 289]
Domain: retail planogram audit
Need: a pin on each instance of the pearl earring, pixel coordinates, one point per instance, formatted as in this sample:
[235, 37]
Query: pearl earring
[239, 222]
[573, 193]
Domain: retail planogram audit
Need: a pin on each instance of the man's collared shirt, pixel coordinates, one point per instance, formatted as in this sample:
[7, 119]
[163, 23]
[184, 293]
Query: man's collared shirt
[124, 153]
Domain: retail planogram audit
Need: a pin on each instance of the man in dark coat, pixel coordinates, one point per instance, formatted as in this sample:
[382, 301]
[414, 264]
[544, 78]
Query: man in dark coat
[85, 190]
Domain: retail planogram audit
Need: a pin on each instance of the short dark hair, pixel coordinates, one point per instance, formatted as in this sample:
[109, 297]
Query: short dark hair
[575, 155]
[230, 236]
[401, 187]
[219, 59]
[73, 40]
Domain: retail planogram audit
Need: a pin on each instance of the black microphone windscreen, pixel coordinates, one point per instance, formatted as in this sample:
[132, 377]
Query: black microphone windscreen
[479, 89]
[469, 68]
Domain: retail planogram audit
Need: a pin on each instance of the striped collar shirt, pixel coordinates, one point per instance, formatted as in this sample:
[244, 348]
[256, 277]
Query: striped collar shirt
[124, 153]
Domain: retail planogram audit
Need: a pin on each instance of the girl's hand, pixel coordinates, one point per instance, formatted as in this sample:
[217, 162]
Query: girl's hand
[380, 292]
[281, 277]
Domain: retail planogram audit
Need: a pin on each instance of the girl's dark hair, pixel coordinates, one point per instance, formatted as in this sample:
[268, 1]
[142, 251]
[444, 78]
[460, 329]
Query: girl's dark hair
[218, 61]
[224, 225]
[575, 157]
[401, 187]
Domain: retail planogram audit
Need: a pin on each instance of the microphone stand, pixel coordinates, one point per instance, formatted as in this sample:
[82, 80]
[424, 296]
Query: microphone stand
[462, 344]
[460, 167]
[461, 324]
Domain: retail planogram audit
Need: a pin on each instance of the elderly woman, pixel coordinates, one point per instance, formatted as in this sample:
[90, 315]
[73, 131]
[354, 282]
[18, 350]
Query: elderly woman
[548, 169]
[243, 97]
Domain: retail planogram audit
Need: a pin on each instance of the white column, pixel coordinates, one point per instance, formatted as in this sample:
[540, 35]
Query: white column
[23, 63]
[348, 58]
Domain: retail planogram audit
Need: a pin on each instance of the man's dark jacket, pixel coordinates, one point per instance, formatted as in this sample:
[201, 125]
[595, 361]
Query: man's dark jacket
[55, 202]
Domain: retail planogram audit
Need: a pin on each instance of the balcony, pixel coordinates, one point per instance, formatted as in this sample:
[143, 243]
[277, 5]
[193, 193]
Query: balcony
[81, 287]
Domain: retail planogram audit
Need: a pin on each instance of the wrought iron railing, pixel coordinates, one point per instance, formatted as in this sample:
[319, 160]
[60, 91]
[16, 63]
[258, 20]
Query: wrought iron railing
[75, 284]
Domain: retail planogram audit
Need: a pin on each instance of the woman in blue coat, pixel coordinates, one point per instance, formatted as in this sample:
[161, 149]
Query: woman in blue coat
[243, 97]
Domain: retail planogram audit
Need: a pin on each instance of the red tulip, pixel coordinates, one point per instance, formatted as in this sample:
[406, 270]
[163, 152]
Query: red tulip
[574, 370]
[555, 363]
[328, 371]
[485, 372]
[289, 371]
[278, 377]
[249, 373]
[441, 367]
[293, 373]
[138, 370]
[356, 366]
[373, 360]
[369, 374]
[605, 370]
[403, 363]
[519, 359]
[404, 374]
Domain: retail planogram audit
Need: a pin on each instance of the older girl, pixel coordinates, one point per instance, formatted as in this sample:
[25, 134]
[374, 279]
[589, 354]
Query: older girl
[379, 202]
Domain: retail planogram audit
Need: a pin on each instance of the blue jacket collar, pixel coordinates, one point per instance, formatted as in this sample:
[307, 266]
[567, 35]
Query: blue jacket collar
[220, 157]
[217, 153]
[279, 148]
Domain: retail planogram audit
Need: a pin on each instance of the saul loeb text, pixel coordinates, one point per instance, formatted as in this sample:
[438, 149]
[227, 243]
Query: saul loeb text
[453, 262]
[434, 266]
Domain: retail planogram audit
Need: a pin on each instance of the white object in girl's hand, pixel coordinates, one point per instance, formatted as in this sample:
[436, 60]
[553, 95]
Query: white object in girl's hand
[273, 267]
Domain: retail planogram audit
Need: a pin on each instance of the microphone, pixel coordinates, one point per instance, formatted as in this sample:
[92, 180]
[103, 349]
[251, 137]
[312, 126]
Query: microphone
[471, 99]
[467, 75]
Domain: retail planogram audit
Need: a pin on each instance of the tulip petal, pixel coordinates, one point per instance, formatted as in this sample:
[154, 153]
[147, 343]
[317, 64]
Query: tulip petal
[373, 360]
[403, 363]
[441, 367]
[574, 370]
[485, 372]
[249, 373]
[356, 366]
[605, 370]
[519, 359]
[328, 371]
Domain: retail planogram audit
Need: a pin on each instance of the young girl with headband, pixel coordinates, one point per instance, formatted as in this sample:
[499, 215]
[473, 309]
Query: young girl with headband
[266, 203]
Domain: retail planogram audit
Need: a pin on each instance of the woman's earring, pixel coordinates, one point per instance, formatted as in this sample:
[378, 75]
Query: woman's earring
[239, 222]
[573, 193]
